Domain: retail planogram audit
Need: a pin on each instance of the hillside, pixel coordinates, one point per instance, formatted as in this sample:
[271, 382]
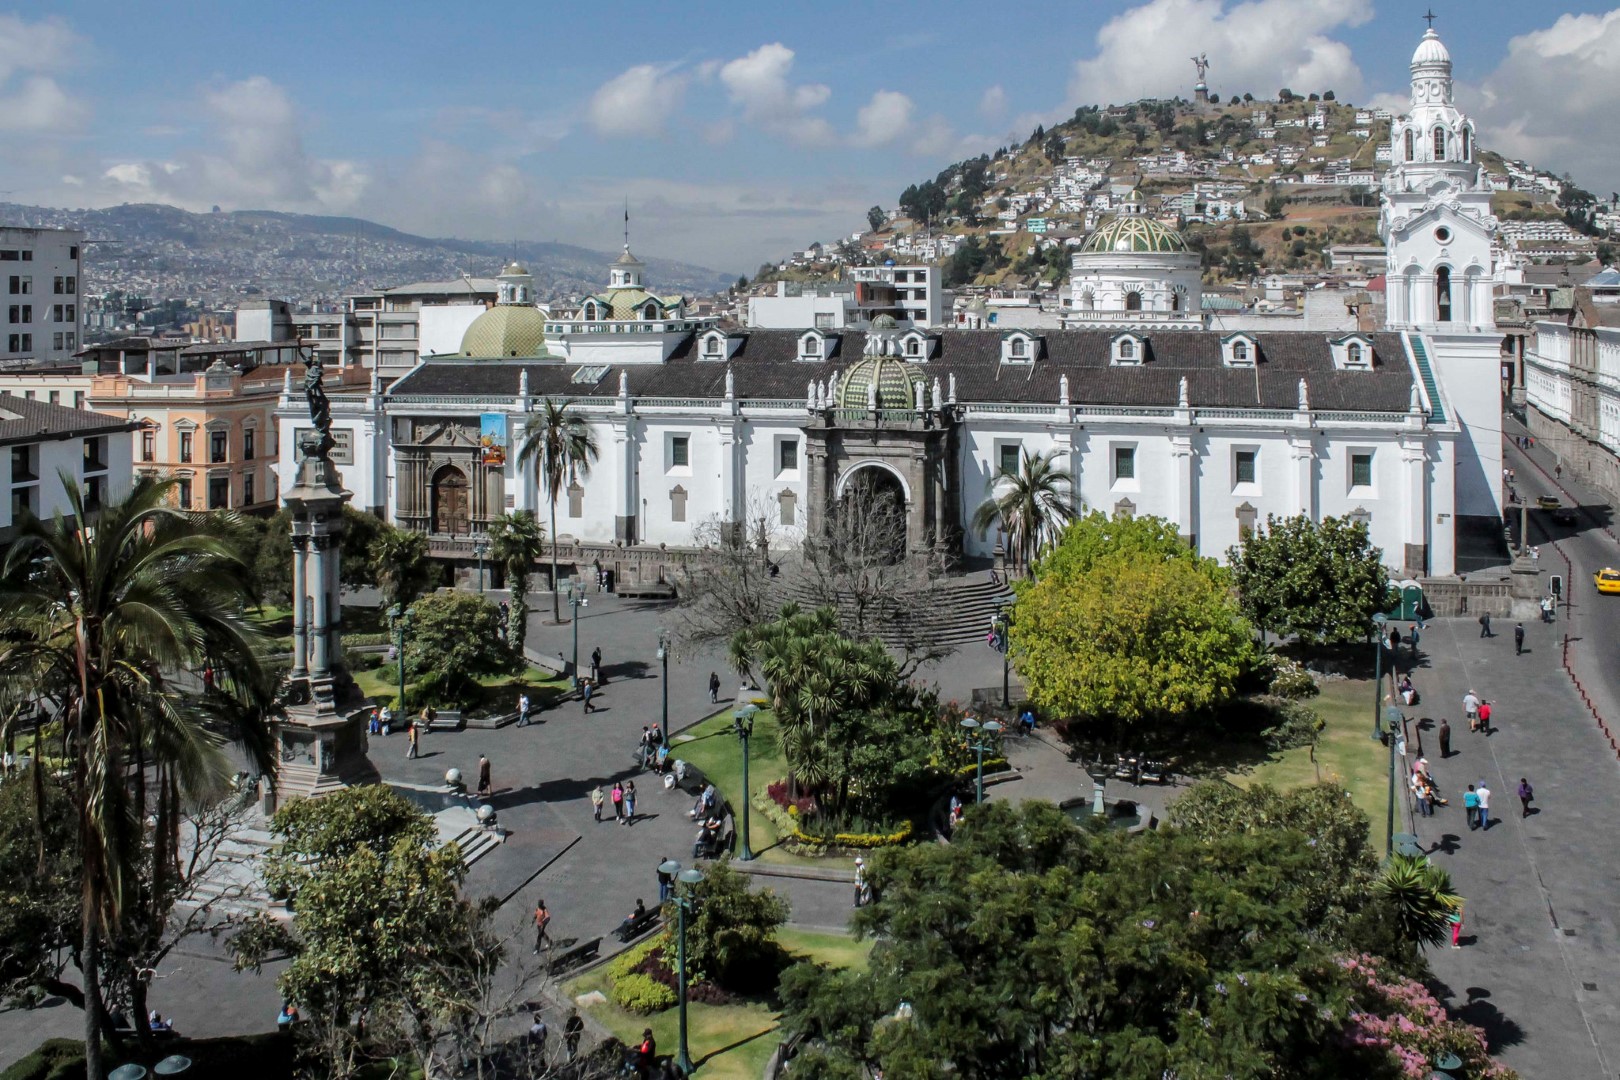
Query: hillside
[161, 252]
[1253, 185]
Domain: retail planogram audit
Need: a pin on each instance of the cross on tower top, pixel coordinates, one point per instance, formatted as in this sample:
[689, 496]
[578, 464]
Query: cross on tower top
[1430, 16]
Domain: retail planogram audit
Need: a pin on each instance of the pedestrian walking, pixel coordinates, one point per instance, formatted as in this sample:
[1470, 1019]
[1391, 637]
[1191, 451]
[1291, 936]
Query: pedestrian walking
[618, 801]
[598, 797]
[1484, 795]
[1526, 793]
[1420, 791]
[1445, 738]
[1485, 625]
[585, 696]
[1456, 920]
[1471, 710]
[1548, 607]
[573, 1031]
[596, 665]
[666, 882]
[860, 880]
[412, 738]
[523, 710]
[386, 719]
[1558, 471]
[629, 802]
[1471, 807]
[1394, 639]
[537, 1035]
[1518, 639]
[1485, 717]
[714, 688]
[485, 787]
[542, 919]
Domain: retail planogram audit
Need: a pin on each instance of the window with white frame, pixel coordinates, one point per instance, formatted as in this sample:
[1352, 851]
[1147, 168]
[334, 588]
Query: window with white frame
[1245, 466]
[1361, 469]
[1124, 464]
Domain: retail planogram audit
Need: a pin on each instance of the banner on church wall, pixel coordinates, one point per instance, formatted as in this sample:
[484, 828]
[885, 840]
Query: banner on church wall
[492, 438]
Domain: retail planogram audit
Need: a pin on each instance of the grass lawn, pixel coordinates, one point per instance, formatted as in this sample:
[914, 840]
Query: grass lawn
[499, 691]
[727, 1041]
[1345, 753]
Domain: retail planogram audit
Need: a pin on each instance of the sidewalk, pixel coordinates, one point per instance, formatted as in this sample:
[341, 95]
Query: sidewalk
[1540, 966]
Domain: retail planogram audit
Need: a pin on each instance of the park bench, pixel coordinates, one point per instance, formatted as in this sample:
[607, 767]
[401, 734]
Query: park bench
[574, 957]
[631, 929]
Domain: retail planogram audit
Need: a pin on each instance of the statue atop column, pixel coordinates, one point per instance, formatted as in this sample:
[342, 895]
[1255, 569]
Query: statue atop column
[318, 443]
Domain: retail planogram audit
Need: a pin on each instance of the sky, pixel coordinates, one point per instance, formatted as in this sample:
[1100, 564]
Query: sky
[737, 132]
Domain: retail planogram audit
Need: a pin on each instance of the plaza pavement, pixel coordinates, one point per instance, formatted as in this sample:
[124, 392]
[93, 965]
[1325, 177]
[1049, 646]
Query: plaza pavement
[1539, 969]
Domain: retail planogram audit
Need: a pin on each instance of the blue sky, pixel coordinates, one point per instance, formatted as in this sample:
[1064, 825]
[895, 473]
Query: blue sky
[736, 131]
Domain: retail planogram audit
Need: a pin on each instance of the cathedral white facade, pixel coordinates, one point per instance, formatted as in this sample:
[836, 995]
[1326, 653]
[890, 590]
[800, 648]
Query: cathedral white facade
[1150, 413]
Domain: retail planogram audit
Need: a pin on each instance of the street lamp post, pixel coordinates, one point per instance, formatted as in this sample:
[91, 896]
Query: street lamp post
[683, 904]
[1378, 671]
[977, 735]
[1003, 622]
[1394, 721]
[576, 601]
[663, 662]
[481, 548]
[401, 620]
[743, 722]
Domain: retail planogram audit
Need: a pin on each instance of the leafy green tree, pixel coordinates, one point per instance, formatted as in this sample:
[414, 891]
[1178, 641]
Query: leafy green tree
[268, 550]
[401, 565]
[875, 217]
[1033, 505]
[379, 930]
[731, 934]
[97, 619]
[1124, 622]
[455, 638]
[561, 447]
[1030, 947]
[1318, 582]
[517, 541]
[39, 886]
[360, 531]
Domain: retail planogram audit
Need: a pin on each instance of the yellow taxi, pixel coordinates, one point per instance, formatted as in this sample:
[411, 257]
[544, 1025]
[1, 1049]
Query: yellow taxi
[1607, 580]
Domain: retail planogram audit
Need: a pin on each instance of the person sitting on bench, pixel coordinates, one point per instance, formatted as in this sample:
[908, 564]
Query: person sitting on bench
[628, 926]
[708, 838]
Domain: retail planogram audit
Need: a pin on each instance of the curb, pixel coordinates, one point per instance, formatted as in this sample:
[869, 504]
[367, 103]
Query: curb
[805, 873]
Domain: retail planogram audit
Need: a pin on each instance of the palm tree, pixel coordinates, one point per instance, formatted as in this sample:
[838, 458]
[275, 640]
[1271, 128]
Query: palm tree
[516, 540]
[1033, 504]
[108, 621]
[1420, 895]
[401, 565]
[562, 447]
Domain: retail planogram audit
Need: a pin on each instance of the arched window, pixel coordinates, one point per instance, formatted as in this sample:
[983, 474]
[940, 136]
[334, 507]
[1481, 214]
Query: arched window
[1127, 348]
[1352, 355]
[590, 311]
[1240, 350]
[1466, 147]
[913, 347]
[1411, 145]
[650, 312]
[1175, 300]
[1133, 301]
[712, 346]
[1088, 300]
[1439, 144]
[811, 346]
[1018, 347]
[1442, 294]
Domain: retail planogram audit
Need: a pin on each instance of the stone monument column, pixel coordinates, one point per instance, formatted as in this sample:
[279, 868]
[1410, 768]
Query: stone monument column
[320, 738]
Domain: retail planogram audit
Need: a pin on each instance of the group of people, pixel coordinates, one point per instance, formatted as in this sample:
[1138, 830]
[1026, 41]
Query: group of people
[381, 722]
[654, 752]
[623, 797]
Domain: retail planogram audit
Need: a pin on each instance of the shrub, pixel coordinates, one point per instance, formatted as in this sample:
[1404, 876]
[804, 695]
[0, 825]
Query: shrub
[1296, 725]
[778, 792]
[631, 958]
[1289, 679]
[641, 994]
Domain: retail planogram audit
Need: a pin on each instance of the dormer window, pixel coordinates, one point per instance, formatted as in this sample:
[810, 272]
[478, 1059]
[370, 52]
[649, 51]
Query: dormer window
[913, 347]
[1239, 350]
[1019, 348]
[590, 310]
[1353, 352]
[716, 345]
[713, 347]
[813, 347]
[1128, 349]
[650, 312]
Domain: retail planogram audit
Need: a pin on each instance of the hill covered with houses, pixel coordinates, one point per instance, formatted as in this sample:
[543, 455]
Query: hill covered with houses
[1255, 186]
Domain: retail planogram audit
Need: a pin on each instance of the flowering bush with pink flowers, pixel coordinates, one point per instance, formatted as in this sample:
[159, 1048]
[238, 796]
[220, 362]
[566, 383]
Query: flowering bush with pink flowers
[1400, 1018]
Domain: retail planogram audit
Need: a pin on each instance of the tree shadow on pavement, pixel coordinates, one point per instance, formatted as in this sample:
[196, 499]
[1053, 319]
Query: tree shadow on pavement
[1477, 1009]
[561, 790]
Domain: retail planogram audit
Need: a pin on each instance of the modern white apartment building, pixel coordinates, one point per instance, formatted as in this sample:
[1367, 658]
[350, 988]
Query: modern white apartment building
[40, 274]
[912, 295]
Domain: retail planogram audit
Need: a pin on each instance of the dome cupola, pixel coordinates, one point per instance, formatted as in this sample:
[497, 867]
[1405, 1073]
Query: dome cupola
[889, 381]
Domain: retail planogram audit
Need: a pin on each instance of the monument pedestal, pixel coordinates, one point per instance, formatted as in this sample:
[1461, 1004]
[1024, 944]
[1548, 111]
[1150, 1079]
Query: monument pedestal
[1525, 588]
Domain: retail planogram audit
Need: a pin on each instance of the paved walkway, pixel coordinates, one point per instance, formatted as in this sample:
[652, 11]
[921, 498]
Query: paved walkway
[1540, 966]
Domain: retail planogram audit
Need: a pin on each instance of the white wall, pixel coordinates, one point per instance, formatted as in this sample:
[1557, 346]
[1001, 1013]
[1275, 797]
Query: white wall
[57, 457]
[442, 326]
[1469, 369]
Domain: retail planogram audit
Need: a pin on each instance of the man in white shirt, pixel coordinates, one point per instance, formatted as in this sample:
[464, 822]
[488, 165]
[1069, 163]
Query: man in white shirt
[1484, 794]
[1471, 709]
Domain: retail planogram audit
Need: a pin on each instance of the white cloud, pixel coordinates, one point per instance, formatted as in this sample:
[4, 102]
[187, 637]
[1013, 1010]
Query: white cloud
[1259, 46]
[884, 119]
[255, 158]
[1551, 100]
[760, 85]
[637, 101]
[993, 105]
[31, 55]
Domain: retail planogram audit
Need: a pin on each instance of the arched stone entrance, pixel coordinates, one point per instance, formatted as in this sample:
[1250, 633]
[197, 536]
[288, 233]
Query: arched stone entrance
[877, 503]
[449, 502]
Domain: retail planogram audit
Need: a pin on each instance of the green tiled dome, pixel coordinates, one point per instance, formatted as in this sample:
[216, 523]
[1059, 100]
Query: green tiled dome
[1135, 233]
[897, 384]
[506, 331]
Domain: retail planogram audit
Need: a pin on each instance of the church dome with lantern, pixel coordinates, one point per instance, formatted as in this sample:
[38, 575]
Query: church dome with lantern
[1135, 271]
[898, 385]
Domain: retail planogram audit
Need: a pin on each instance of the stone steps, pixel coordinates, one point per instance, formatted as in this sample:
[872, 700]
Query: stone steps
[956, 616]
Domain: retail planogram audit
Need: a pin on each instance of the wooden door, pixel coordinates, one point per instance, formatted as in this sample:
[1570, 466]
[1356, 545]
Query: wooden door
[450, 513]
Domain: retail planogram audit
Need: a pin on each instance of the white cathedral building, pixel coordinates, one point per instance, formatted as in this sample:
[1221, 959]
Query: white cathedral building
[1149, 412]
